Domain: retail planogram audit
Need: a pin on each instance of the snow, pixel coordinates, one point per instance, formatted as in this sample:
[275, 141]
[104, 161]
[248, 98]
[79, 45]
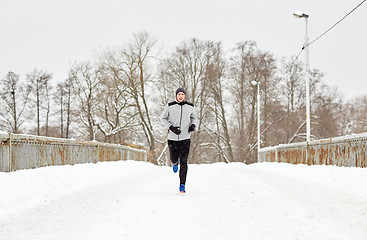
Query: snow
[319, 141]
[138, 200]
[350, 137]
[2, 133]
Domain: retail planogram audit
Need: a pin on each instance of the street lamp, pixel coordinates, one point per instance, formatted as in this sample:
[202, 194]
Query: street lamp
[257, 83]
[307, 62]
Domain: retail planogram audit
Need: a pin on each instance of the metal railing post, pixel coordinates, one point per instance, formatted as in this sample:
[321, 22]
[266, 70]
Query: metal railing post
[10, 151]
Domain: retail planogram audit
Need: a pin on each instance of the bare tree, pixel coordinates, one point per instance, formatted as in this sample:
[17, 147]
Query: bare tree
[244, 69]
[271, 109]
[70, 110]
[47, 107]
[294, 95]
[85, 79]
[14, 97]
[140, 50]
[39, 81]
[116, 111]
[59, 97]
[186, 68]
[249, 63]
[64, 96]
[215, 74]
[326, 104]
[130, 67]
[354, 116]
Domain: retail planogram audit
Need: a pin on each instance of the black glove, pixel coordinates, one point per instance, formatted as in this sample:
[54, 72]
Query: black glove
[175, 130]
[192, 128]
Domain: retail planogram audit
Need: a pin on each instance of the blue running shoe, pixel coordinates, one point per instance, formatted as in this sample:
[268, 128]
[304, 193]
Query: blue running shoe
[182, 188]
[175, 166]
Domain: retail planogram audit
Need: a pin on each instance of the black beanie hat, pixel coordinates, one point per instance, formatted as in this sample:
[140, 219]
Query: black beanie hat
[180, 90]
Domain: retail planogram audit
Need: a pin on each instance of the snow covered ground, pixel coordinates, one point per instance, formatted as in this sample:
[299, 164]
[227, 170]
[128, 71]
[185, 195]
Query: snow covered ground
[138, 200]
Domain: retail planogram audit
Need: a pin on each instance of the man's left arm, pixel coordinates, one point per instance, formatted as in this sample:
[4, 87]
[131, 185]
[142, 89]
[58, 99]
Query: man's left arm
[193, 120]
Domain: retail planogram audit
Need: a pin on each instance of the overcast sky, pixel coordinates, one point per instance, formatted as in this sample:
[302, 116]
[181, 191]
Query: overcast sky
[52, 34]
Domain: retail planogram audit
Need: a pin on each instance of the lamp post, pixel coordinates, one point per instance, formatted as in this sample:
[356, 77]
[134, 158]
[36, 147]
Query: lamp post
[307, 62]
[257, 83]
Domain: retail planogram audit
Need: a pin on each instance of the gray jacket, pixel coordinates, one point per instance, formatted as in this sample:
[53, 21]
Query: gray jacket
[180, 115]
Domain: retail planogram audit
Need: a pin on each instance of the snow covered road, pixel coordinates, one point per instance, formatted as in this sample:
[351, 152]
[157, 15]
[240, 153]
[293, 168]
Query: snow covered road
[137, 200]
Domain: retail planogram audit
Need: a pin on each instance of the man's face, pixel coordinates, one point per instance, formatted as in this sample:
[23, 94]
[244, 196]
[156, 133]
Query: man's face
[180, 97]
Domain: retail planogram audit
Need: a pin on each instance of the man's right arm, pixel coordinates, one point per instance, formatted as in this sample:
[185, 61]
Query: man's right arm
[164, 117]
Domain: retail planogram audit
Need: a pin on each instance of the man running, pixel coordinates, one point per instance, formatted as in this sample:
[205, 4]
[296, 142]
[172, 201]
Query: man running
[180, 119]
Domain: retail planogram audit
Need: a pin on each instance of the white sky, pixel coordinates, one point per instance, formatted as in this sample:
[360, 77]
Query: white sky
[50, 35]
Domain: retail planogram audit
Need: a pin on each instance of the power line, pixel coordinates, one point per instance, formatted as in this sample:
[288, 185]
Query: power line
[295, 59]
[335, 24]
[292, 64]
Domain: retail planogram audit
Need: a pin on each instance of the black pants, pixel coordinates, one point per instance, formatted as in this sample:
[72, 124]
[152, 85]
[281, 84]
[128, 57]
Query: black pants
[180, 150]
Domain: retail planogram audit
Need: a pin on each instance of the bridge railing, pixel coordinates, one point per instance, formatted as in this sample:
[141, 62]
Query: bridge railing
[347, 151]
[19, 151]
